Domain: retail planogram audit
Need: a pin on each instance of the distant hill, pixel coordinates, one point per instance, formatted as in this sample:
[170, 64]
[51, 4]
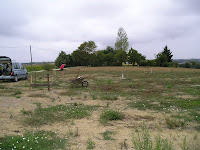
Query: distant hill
[182, 61]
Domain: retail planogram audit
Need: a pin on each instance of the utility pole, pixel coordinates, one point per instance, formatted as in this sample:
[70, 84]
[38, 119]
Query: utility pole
[31, 57]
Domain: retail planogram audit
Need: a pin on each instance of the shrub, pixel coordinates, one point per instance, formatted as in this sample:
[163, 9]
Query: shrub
[109, 115]
[107, 135]
[173, 123]
[48, 66]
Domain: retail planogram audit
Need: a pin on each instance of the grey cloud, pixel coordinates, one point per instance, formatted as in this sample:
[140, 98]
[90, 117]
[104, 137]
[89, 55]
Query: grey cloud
[69, 23]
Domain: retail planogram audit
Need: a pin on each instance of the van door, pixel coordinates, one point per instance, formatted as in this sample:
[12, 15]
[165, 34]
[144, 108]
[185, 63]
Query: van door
[17, 70]
[23, 71]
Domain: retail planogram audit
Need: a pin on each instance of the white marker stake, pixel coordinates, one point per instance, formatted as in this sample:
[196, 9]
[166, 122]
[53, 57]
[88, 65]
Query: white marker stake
[123, 75]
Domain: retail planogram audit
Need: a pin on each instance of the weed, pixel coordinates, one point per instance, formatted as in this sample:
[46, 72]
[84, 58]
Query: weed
[90, 144]
[107, 135]
[41, 116]
[184, 144]
[173, 123]
[72, 133]
[25, 112]
[11, 116]
[109, 115]
[17, 92]
[107, 105]
[108, 82]
[75, 104]
[143, 141]
[38, 105]
[108, 96]
[18, 96]
[94, 96]
[39, 140]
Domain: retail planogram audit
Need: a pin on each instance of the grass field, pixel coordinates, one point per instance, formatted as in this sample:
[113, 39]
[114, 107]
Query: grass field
[150, 108]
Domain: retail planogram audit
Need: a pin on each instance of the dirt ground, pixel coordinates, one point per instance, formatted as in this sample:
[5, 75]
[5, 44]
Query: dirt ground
[90, 127]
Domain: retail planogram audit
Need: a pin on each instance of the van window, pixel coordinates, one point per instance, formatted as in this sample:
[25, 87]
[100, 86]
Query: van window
[16, 66]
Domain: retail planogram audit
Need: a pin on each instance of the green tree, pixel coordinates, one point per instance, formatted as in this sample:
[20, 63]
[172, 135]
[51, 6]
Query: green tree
[81, 58]
[109, 59]
[163, 58]
[122, 40]
[89, 46]
[168, 53]
[135, 56]
[108, 50]
[99, 59]
[63, 58]
[120, 57]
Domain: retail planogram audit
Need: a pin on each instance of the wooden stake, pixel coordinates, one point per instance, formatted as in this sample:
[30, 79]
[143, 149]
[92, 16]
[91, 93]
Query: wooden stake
[48, 82]
[35, 77]
[31, 80]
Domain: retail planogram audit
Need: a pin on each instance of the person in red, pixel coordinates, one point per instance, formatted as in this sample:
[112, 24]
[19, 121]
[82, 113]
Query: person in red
[62, 67]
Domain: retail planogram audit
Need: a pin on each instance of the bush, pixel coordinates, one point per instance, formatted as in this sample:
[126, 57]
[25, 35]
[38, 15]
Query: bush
[109, 115]
[173, 123]
[48, 66]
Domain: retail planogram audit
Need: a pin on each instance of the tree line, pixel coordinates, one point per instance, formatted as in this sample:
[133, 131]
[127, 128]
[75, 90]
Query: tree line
[88, 55]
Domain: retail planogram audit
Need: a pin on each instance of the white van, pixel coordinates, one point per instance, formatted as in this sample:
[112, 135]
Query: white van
[11, 70]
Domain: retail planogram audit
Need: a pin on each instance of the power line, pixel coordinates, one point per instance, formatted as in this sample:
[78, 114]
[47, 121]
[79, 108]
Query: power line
[44, 48]
[47, 48]
[32, 47]
[13, 46]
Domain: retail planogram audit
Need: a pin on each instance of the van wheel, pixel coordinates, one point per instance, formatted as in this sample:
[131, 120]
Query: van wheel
[16, 78]
[26, 76]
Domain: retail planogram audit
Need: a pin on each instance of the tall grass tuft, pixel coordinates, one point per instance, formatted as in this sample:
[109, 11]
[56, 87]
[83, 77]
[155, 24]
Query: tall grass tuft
[109, 115]
[143, 141]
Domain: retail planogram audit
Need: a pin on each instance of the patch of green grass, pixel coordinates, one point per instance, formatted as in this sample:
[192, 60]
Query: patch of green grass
[40, 140]
[90, 144]
[143, 105]
[191, 116]
[169, 84]
[193, 90]
[18, 96]
[109, 115]
[17, 92]
[107, 135]
[108, 96]
[41, 116]
[174, 123]
[94, 96]
[26, 112]
[188, 104]
[39, 105]
[167, 104]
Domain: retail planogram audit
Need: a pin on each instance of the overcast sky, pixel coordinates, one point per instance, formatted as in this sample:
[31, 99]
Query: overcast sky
[50, 26]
